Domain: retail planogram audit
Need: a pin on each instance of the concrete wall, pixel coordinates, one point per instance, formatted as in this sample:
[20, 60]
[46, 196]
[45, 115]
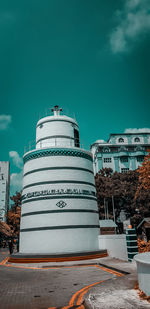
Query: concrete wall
[143, 270]
[115, 245]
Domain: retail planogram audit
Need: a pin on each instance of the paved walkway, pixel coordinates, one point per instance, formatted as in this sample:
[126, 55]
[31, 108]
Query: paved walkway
[71, 284]
[116, 293]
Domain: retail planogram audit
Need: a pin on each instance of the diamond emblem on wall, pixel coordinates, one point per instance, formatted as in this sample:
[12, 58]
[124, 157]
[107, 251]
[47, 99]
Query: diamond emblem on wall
[61, 204]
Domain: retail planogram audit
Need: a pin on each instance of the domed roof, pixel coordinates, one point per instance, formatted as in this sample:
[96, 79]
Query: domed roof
[57, 117]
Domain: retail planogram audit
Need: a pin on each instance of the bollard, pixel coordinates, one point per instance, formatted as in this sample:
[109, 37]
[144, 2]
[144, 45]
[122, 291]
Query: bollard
[131, 239]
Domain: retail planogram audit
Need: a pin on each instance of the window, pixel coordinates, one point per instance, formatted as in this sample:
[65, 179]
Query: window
[114, 149]
[107, 160]
[124, 159]
[121, 140]
[140, 158]
[41, 126]
[137, 139]
[76, 138]
[124, 170]
[130, 148]
[100, 149]
[2, 176]
[106, 149]
[139, 148]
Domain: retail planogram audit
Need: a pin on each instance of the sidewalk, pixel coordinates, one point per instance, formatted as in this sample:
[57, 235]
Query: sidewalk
[116, 293]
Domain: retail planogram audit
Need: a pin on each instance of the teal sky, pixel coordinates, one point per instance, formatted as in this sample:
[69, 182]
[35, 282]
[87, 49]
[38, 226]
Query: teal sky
[91, 57]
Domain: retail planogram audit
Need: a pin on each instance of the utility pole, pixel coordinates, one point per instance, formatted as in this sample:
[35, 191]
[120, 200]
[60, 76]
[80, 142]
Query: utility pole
[113, 210]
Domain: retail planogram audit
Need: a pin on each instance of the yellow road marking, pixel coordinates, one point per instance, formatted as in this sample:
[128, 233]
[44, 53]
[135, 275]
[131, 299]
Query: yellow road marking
[4, 261]
[111, 271]
[80, 298]
[79, 295]
[77, 298]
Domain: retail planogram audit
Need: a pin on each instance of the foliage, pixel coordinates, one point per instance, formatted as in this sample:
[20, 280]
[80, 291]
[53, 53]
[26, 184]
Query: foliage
[12, 227]
[144, 175]
[143, 246]
[123, 188]
[5, 230]
[14, 214]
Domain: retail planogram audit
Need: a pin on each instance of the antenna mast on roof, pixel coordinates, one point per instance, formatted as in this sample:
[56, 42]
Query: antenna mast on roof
[56, 110]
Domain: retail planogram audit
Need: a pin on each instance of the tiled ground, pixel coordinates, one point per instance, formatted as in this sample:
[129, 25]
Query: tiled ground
[22, 288]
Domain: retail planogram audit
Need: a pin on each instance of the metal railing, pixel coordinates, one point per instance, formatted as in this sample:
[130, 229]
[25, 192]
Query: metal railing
[48, 112]
[54, 142]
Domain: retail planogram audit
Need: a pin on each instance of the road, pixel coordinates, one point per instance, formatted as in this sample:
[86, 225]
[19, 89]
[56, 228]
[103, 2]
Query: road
[28, 286]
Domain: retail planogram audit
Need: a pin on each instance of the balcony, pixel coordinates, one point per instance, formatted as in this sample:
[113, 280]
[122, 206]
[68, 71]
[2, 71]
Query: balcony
[52, 143]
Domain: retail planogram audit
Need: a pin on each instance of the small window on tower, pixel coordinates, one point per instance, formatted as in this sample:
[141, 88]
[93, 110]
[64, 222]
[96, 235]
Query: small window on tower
[76, 138]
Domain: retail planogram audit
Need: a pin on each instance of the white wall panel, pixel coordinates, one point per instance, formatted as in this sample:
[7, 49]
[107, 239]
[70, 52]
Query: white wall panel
[59, 241]
[61, 219]
[51, 205]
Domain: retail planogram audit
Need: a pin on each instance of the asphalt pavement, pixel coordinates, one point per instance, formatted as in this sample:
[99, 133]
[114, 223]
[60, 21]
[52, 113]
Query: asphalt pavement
[85, 284]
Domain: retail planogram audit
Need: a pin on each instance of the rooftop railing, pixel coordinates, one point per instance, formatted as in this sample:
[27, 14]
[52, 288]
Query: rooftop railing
[48, 112]
[54, 142]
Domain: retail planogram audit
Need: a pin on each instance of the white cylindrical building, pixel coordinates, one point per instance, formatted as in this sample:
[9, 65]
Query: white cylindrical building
[59, 212]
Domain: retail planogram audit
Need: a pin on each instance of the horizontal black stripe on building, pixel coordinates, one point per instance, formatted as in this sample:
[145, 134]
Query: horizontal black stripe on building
[52, 120]
[43, 212]
[59, 168]
[57, 152]
[59, 197]
[58, 181]
[55, 136]
[63, 227]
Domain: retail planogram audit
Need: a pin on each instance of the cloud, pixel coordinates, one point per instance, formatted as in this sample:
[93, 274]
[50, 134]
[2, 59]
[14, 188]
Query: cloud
[15, 182]
[135, 130]
[133, 23]
[5, 121]
[17, 160]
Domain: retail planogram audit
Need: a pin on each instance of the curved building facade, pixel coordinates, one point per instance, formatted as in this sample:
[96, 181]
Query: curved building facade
[59, 206]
